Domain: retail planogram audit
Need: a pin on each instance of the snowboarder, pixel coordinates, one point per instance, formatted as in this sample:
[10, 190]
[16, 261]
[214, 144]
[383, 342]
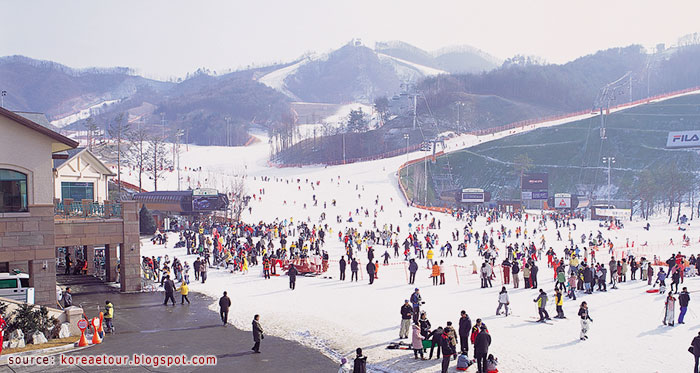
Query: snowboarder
[585, 320]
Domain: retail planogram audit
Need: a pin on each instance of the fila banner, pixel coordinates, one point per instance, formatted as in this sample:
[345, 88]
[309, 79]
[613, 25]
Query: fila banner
[683, 139]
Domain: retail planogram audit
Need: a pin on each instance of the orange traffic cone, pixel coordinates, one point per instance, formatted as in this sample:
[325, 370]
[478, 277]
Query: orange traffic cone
[96, 335]
[101, 331]
[83, 341]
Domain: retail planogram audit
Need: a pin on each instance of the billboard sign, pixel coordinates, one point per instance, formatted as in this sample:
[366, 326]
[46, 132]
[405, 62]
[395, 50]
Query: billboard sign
[535, 181]
[473, 195]
[562, 201]
[205, 192]
[683, 139]
[616, 213]
[542, 194]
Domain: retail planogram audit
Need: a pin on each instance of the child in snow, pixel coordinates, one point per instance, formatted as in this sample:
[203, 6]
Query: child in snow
[491, 363]
[344, 366]
[463, 362]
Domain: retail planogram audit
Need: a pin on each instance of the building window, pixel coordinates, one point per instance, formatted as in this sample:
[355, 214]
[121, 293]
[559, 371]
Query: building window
[13, 191]
[77, 191]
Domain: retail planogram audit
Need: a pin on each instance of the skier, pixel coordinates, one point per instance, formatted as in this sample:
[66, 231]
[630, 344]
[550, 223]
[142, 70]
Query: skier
[502, 301]
[669, 308]
[683, 300]
[585, 320]
[541, 301]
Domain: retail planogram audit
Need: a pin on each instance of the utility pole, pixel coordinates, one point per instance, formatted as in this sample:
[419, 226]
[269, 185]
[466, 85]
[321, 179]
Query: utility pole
[609, 161]
[415, 103]
[2, 98]
[343, 147]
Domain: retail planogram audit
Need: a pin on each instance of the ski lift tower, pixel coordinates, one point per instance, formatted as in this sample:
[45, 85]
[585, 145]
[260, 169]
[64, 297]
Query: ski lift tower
[607, 95]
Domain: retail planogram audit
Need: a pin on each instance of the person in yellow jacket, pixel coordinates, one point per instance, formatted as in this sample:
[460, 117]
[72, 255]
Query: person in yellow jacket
[108, 316]
[429, 256]
[245, 265]
[184, 290]
[436, 273]
[559, 302]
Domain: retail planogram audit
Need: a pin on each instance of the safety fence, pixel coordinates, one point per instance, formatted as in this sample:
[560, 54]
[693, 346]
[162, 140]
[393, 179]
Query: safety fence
[493, 130]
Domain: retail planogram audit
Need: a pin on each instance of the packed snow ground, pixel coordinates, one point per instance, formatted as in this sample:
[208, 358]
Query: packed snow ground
[337, 316]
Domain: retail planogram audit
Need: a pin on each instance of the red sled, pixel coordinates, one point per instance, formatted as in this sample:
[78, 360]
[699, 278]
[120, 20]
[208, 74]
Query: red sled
[651, 291]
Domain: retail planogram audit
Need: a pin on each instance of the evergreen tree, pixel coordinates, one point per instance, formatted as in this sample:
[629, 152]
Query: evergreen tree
[146, 223]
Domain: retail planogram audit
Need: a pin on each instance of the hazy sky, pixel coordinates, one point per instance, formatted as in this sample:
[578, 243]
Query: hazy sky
[170, 38]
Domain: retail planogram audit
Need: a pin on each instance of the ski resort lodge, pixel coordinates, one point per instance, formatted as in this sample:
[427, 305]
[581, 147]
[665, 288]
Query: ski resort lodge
[49, 208]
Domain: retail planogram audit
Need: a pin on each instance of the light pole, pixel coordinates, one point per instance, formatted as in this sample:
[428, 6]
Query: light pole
[178, 135]
[609, 161]
[343, 147]
[405, 136]
[2, 98]
[228, 131]
[460, 105]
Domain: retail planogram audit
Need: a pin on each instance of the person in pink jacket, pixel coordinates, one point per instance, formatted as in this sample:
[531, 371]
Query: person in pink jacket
[417, 342]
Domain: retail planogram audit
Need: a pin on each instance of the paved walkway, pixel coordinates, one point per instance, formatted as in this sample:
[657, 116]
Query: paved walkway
[144, 325]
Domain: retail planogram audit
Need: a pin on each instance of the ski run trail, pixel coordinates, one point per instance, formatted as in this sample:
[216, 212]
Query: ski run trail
[336, 317]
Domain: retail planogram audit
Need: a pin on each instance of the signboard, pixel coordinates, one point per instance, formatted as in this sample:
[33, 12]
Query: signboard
[205, 192]
[535, 181]
[82, 324]
[616, 213]
[526, 195]
[683, 139]
[472, 195]
[562, 201]
[542, 194]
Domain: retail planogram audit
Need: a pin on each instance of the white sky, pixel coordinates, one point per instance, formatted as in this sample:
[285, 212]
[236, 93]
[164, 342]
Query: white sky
[167, 38]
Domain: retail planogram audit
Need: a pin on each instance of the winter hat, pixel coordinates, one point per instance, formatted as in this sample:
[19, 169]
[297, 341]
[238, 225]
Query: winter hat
[343, 360]
[416, 289]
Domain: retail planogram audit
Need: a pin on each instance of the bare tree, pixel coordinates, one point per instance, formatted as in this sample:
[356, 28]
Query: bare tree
[138, 150]
[91, 128]
[157, 155]
[118, 130]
